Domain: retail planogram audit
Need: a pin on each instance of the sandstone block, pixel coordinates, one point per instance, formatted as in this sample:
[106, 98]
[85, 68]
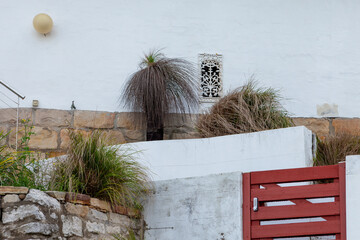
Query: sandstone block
[78, 210]
[72, 226]
[178, 120]
[95, 227]
[347, 126]
[77, 198]
[115, 137]
[39, 228]
[9, 115]
[319, 126]
[52, 118]
[65, 139]
[119, 209]
[41, 198]
[44, 138]
[127, 120]
[13, 190]
[93, 119]
[56, 194]
[14, 214]
[189, 135]
[11, 198]
[135, 135]
[101, 205]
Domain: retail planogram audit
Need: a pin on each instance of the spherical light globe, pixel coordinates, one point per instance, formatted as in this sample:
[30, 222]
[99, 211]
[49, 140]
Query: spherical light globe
[43, 23]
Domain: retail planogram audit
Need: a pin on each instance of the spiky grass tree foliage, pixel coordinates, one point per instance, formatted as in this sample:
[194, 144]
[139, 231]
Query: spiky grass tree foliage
[162, 85]
[93, 168]
[246, 109]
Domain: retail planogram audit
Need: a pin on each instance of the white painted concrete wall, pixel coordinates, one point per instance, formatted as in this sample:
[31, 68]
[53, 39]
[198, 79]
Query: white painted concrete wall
[200, 208]
[273, 149]
[308, 48]
[352, 197]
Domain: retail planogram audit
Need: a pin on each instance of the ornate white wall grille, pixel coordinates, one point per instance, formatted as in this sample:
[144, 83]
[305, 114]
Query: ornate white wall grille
[211, 81]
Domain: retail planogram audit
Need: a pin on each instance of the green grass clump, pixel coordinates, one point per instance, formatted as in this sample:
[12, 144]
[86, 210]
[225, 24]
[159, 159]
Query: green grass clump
[93, 168]
[246, 109]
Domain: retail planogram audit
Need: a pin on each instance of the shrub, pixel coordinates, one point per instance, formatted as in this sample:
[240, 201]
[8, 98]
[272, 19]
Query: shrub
[23, 168]
[334, 149]
[246, 109]
[92, 168]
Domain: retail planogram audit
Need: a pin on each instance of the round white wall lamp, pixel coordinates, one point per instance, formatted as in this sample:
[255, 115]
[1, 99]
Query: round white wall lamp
[43, 23]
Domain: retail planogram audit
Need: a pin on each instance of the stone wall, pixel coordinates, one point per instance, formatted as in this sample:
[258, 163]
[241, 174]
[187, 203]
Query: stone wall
[33, 214]
[324, 127]
[51, 127]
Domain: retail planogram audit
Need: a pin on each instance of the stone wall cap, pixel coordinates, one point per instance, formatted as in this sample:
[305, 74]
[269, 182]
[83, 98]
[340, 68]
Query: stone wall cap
[77, 198]
[13, 190]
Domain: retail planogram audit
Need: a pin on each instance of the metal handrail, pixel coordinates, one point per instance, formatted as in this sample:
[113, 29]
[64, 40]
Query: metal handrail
[17, 109]
[12, 90]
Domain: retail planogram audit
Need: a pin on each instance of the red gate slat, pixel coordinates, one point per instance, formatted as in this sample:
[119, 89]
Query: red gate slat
[308, 191]
[296, 211]
[295, 175]
[296, 229]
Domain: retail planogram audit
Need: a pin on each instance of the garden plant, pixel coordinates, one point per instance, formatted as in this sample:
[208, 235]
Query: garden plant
[334, 149]
[246, 109]
[93, 168]
[20, 168]
[162, 85]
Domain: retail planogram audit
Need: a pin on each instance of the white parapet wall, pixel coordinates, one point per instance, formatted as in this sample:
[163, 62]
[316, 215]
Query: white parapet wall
[352, 197]
[266, 150]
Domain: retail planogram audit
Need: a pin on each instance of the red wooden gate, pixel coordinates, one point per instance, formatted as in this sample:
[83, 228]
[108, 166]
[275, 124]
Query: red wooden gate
[274, 209]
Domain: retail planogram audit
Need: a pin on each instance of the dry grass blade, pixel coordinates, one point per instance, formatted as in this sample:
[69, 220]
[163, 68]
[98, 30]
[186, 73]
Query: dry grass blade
[246, 109]
[334, 149]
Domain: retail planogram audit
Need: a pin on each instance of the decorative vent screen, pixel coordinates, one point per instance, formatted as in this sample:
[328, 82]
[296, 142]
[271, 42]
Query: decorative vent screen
[211, 81]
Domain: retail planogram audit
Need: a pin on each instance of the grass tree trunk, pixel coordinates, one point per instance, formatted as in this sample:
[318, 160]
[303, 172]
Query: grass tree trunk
[153, 133]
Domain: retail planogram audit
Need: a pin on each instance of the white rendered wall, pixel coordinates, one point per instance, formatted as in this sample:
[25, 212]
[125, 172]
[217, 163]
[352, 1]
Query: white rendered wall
[307, 48]
[267, 150]
[352, 197]
[200, 208]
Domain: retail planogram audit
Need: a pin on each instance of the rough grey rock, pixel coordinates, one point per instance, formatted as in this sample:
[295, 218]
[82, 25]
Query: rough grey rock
[11, 198]
[114, 229]
[14, 214]
[39, 228]
[41, 198]
[97, 215]
[71, 226]
[120, 219]
[54, 216]
[95, 227]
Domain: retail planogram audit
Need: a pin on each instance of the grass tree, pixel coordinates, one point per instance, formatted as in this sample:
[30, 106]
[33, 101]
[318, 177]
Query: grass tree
[162, 85]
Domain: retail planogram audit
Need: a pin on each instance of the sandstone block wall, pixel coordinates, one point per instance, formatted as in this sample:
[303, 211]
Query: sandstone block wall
[33, 214]
[51, 127]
